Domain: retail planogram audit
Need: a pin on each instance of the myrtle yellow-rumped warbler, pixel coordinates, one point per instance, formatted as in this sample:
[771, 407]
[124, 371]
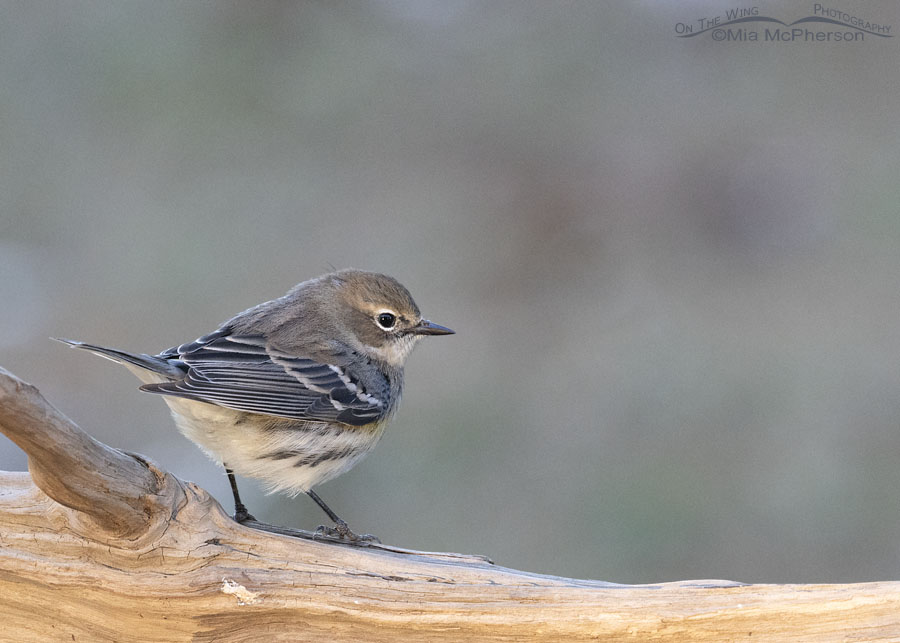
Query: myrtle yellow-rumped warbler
[296, 390]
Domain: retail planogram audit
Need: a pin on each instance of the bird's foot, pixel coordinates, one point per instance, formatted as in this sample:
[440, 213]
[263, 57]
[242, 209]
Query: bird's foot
[342, 532]
[241, 514]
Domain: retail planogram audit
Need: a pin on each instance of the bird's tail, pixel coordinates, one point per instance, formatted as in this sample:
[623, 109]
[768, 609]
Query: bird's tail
[147, 367]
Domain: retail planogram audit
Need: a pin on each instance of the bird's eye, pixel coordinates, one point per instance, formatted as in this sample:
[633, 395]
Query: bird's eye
[386, 320]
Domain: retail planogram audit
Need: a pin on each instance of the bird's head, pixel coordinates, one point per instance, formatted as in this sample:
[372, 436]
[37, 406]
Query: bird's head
[380, 314]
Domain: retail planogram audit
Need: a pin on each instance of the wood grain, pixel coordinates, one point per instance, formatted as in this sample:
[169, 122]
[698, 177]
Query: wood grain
[101, 545]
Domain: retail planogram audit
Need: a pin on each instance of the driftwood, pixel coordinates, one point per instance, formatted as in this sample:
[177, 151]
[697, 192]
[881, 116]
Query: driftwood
[102, 545]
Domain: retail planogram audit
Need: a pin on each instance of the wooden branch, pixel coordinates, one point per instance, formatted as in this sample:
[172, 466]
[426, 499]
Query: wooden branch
[72, 467]
[101, 545]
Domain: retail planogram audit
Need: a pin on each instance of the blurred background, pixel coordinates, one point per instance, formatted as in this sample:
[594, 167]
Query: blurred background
[673, 264]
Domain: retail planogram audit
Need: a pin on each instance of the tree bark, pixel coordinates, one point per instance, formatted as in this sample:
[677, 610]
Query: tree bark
[102, 545]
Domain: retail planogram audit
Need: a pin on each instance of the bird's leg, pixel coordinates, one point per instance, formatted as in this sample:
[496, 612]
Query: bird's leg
[340, 530]
[240, 511]
[341, 526]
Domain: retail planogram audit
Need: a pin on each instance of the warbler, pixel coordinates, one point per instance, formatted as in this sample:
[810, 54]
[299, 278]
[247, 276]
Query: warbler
[294, 391]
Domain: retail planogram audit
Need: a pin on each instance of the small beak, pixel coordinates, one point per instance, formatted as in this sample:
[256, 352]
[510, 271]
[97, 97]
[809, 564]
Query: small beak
[426, 327]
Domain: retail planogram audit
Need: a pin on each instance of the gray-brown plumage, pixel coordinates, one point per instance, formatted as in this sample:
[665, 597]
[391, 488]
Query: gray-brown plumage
[296, 390]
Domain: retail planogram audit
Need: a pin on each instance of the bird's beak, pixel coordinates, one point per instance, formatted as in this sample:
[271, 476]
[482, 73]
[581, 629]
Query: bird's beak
[426, 327]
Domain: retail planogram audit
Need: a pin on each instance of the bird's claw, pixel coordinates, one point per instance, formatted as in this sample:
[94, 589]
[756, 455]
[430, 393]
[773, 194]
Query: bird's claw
[241, 515]
[343, 533]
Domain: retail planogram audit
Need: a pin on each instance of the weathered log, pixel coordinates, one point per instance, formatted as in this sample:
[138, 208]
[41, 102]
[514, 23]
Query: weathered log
[102, 545]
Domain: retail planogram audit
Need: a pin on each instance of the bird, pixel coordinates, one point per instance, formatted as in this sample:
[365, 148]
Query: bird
[296, 390]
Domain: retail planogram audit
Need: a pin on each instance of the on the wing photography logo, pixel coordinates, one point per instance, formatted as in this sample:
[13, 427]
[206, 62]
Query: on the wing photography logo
[826, 24]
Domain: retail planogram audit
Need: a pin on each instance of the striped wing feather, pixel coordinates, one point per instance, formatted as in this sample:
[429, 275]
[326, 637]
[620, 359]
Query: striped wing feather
[246, 374]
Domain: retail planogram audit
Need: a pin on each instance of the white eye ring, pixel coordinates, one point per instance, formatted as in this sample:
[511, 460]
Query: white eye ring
[386, 319]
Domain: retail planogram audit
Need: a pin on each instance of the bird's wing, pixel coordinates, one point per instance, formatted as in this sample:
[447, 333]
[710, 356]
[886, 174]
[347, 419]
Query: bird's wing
[248, 374]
